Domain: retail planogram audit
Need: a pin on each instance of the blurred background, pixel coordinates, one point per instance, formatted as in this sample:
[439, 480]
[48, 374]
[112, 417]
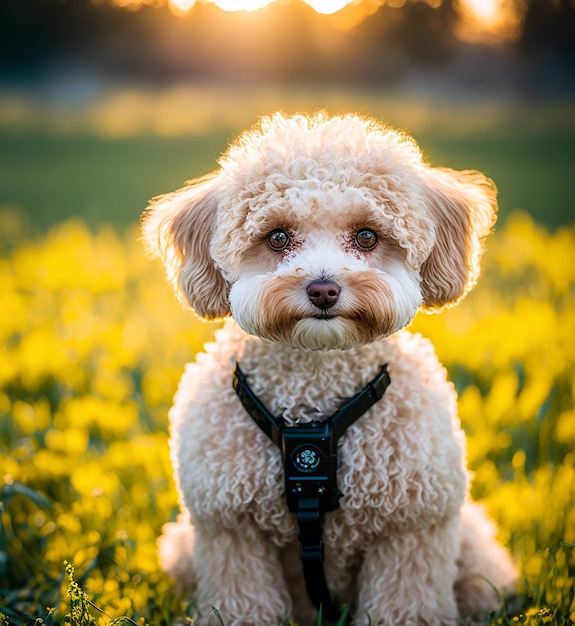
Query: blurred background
[107, 103]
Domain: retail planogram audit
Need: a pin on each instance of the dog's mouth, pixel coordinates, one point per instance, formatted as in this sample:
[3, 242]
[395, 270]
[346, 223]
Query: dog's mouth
[324, 316]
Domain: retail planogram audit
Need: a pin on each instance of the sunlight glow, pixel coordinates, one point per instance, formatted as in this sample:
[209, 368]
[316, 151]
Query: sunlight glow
[131, 5]
[327, 6]
[181, 6]
[241, 5]
[492, 21]
[486, 12]
[495, 20]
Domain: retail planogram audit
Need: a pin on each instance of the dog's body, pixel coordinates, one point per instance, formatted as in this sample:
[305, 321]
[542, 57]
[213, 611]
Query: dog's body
[323, 238]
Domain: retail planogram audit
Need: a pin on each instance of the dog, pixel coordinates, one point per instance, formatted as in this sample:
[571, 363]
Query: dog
[320, 237]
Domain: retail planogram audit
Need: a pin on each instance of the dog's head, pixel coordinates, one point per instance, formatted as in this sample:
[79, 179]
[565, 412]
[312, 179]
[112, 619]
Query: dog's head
[323, 232]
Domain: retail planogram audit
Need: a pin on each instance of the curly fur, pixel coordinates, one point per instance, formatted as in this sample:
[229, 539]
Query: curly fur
[407, 545]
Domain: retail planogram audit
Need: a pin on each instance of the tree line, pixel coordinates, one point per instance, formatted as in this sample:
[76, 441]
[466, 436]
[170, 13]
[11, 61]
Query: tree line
[285, 41]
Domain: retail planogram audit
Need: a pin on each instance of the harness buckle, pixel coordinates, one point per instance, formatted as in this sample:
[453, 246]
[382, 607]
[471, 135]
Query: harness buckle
[310, 457]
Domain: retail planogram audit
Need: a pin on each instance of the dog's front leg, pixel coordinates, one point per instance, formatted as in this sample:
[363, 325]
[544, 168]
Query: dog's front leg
[239, 574]
[407, 579]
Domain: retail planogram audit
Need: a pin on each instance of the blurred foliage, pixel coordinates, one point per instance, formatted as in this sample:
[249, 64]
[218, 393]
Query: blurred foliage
[93, 344]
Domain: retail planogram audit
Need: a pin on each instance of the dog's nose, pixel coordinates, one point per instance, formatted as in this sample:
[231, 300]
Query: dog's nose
[323, 294]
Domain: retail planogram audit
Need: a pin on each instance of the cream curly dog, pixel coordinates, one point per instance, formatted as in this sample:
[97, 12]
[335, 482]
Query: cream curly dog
[322, 237]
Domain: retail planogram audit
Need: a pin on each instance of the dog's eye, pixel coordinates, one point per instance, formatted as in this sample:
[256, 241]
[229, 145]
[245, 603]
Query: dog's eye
[365, 239]
[278, 239]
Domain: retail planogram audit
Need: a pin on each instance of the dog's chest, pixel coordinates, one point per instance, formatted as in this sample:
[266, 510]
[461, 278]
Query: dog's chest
[303, 386]
[232, 468]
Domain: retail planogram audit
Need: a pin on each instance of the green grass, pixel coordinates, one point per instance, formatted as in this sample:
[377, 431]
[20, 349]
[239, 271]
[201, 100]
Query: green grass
[55, 164]
[53, 177]
[533, 170]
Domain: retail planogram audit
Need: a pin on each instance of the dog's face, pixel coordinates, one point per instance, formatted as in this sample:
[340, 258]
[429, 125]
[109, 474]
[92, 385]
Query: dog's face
[323, 233]
[322, 271]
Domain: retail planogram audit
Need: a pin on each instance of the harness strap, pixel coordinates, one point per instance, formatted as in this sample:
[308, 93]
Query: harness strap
[267, 421]
[309, 452]
[342, 419]
[309, 524]
[353, 409]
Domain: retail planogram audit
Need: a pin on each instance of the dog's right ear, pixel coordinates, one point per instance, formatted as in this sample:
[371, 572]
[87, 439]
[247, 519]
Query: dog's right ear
[178, 228]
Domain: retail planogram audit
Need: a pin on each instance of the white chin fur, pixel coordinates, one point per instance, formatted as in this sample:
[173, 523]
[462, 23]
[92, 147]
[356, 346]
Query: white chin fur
[317, 334]
[285, 316]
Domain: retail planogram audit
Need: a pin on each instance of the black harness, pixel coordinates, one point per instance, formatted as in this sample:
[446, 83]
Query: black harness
[309, 452]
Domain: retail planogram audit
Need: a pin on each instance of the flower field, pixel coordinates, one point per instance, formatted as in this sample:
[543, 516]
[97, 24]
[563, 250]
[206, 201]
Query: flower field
[93, 343]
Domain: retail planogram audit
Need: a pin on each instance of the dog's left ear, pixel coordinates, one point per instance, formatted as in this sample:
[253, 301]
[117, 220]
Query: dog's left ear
[463, 207]
[178, 228]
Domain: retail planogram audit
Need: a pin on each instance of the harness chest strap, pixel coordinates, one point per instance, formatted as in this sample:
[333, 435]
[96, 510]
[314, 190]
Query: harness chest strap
[309, 452]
